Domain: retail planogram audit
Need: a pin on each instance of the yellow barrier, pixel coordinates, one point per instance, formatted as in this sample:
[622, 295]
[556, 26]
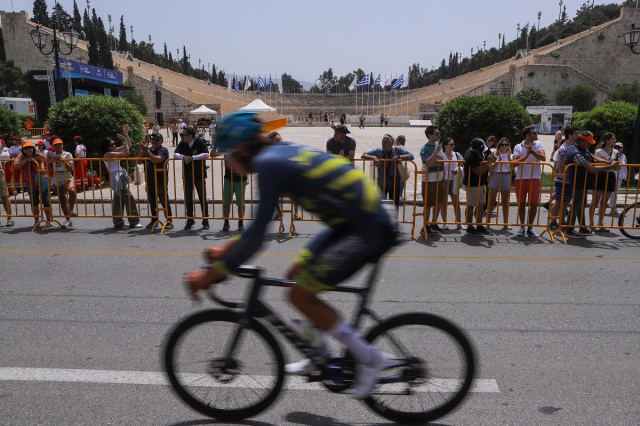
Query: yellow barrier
[166, 193]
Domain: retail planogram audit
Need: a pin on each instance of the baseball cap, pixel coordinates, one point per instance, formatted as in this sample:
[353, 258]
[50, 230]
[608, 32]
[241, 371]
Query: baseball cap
[40, 143]
[57, 141]
[478, 144]
[76, 138]
[14, 138]
[47, 133]
[341, 128]
[26, 144]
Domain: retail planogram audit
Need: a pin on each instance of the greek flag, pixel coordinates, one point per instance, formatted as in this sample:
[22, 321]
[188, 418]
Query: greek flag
[376, 82]
[260, 82]
[270, 85]
[363, 82]
[398, 83]
[236, 85]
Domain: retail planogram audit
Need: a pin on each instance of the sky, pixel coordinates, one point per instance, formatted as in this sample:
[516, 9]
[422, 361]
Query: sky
[306, 38]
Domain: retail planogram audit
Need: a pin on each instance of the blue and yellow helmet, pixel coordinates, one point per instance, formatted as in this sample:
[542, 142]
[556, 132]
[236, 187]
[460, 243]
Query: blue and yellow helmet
[237, 127]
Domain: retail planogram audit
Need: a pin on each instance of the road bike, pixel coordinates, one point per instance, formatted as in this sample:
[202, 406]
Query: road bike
[629, 221]
[228, 365]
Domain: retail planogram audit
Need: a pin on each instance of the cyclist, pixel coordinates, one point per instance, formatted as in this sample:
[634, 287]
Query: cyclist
[359, 230]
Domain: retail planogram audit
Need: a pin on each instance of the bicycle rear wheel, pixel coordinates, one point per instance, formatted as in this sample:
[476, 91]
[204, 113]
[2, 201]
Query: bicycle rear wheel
[629, 221]
[224, 387]
[431, 372]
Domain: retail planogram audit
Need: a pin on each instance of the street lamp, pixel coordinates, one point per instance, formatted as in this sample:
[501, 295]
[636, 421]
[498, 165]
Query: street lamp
[40, 38]
[631, 39]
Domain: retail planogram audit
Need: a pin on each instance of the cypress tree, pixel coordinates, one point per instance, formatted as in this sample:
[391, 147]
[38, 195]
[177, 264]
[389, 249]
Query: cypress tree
[77, 18]
[104, 50]
[123, 46]
[40, 14]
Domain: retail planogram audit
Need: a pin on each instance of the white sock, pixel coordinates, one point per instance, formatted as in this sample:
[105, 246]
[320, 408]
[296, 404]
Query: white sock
[346, 335]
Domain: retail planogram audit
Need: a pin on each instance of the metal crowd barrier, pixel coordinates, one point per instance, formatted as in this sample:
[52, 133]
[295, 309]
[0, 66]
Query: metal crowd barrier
[96, 197]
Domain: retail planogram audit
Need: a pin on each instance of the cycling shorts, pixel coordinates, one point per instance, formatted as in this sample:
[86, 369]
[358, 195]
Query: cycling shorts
[337, 253]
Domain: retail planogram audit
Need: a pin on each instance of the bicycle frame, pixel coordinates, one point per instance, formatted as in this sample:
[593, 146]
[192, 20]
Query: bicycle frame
[255, 308]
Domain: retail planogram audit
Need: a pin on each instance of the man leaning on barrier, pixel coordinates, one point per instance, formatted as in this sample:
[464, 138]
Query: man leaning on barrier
[192, 152]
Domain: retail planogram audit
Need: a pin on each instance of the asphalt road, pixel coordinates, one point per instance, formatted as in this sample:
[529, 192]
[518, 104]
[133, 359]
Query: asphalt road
[83, 314]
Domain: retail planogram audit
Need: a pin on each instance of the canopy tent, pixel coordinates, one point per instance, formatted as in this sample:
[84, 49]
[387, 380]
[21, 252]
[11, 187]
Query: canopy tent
[259, 106]
[203, 110]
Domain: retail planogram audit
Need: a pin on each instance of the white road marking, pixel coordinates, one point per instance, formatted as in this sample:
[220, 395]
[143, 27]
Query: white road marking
[155, 378]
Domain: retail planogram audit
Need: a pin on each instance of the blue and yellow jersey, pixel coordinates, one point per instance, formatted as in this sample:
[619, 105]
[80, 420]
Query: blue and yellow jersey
[323, 184]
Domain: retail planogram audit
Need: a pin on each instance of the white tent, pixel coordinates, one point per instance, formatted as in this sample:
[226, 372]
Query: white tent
[257, 105]
[203, 110]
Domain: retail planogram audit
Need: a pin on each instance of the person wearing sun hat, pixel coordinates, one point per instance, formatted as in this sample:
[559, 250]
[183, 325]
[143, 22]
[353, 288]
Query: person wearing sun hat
[582, 166]
[5, 157]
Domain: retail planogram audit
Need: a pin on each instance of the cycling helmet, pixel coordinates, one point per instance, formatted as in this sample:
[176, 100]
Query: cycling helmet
[237, 127]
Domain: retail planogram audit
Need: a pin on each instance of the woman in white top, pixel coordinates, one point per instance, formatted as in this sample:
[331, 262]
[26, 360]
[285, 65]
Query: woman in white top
[500, 182]
[451, 180]
[122, 198]
[621, 175]
[605, 184]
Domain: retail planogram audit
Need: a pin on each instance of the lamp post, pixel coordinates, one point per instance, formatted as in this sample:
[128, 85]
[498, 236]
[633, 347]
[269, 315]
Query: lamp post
[631, 39]
[40, 38]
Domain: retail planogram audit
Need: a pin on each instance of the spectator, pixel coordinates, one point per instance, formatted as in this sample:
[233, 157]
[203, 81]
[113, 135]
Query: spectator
[452, 182]
[310, 118]
[155, 130]
[362, 120]
[381, 119]
[528, 155]
[400, 140]
[41, 148]
[275, 137]
[326, 119]
[119, 179]
[491, 144]
[173, 128]
[181, 126]
[333, 118]
[476, 170]
[343, 118]
[433, 188]
[388, 179]
[386, 121]
[192, 152]
[13, 178]
[500, 182]
[28, 162]
[621, 176]
[47, 140]
[63, 181]
[156, 172]
[578, 178]
[341, 144]
[557, 141]
[28, 124]
[4, 198]
[605, 183]
[570, 137]
[81, 165]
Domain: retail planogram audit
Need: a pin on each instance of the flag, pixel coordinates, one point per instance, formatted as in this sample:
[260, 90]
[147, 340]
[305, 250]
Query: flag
[280, 88]
[398, 83]
[260, 82]
[405, 83]
[387, 80]
[270, 85]
[229, 83]
[376, 82]
[236, 85]
[526, 27]
[247, 83]
[353, 83]
[363, 82]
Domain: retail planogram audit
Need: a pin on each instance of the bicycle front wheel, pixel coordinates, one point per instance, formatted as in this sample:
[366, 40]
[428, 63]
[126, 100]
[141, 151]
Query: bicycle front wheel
[629, 221]
[219, 382]
[431, 370]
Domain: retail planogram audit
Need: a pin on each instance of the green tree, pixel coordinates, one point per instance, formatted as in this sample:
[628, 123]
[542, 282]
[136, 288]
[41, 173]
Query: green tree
[136, 98]
[60, 18]
[12, 82]
[222, 80]
[581, 96]
[40, 14]
[104, 50]
[123, 46]
[531, 97]
[626, 92]
[617, 117]
[3, 52]
[465, 118]
[77, 18]
[290, 85]
[94, 118]
[10, 124]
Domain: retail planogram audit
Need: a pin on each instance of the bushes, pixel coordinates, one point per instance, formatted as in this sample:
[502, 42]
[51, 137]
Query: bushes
[616, 117]
[94, 118]
[10, 124]
[581, 97]
[464, 118]
[531, 97]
